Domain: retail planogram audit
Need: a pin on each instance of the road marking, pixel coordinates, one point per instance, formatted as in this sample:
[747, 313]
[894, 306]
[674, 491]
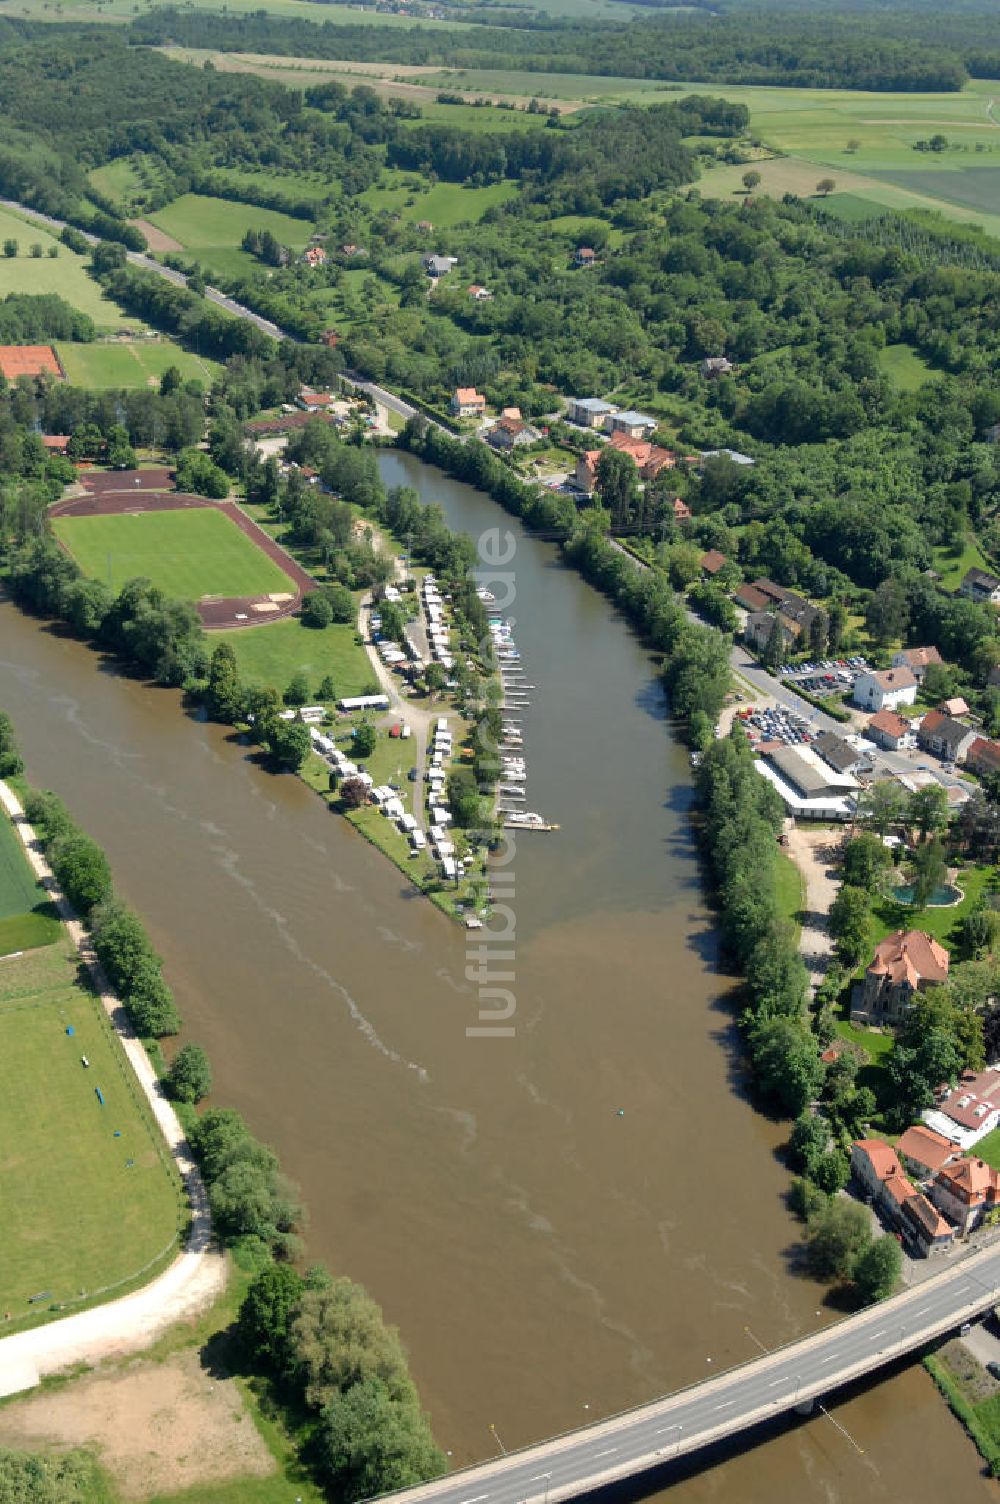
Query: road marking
[725, 1405]
[923, 1311]
[475, 1499]
[605, 1454]
[880, 1333]
[663, 1429]
[538, 1477]
[831, 1359]
[774, 1383]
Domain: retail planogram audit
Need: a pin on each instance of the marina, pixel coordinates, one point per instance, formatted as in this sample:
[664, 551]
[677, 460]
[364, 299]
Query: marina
[511, 792]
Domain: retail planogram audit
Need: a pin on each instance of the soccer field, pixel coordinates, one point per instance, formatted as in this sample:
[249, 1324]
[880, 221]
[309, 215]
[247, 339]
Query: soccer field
[89, 1194]
[189, 553]
[141, 363]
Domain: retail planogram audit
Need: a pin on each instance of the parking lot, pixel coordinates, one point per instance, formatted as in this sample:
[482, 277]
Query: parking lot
[833, 676]
[775, 724]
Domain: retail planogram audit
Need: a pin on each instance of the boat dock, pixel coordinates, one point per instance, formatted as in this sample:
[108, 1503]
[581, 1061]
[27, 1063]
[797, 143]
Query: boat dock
[515, 689]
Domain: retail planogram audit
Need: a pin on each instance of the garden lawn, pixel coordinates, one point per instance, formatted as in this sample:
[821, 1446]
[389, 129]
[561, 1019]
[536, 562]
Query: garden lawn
[189, 553]
[953, 567]
[141, 363]
[274, 652]
[888, 916]
[84, 1211]
[65, 274]
[988, 1148]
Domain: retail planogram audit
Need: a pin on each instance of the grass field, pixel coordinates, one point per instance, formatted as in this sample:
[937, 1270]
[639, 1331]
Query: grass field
[275, 652]
[953, 567]
[141, 363]
[27, 920]
[212, 229]
[65, 274]
[904, 367]
[189, 553]
[445, 205]
[84, 1210]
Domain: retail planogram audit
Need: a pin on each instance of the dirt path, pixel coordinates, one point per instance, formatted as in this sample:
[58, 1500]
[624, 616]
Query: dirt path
[814, 853]
[156, 239]
[194, 1279]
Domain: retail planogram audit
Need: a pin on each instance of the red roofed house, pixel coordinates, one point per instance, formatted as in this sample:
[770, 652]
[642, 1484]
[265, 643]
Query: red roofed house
[29, 360]
[983, 756]
[712, 561]
[466, 402]
[479, 294]
[957, 706]
[917, 660]
[649, 460]
[923, 1151]
[585, 256]
[57, 443]
[682, 512]
[887, 729]
[314, 256]
[751, 598]
[924, 1226]
[878, 1171]
[904, 964]
[944, 736]
[967, 1112]
[965, 1191]
[315, 402]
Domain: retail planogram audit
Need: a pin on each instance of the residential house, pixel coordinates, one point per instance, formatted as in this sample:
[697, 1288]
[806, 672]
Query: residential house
[884, 689]
[314, 256]
[330, 338]
[425, 226]
[716, 365]
[904, 963]
[466, 402]
[353, 250]
[439, 266]
[634, 425]
[759, 626]
[888, 728]
[681, 510]
[584, 255]
[479, 294]
[712, 562]
[510, 412]
[589, 412]
[751, 599]
[648, 458]
[56, 443]
[923, 1151]
[315, 402]
[955, 707]
[978, 585]
[945, 737]
[879, 1174]
[924, 1227]
[585, 474]
[508, 434]
[917, 660]
[968, 1111]
[965, 1191]
[732, 455]
[841, 756]
[983, 757]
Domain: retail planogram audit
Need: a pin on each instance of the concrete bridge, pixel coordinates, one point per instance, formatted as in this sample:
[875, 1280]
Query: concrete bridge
[682, 1424]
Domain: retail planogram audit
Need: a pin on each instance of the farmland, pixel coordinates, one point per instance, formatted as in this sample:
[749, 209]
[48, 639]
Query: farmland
[211, 229]
[137, 363]
[189, 553]
[65, 274]
[90, 1199]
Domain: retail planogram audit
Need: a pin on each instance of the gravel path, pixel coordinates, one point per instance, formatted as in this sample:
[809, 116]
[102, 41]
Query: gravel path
[814, 853]
[194, 1279]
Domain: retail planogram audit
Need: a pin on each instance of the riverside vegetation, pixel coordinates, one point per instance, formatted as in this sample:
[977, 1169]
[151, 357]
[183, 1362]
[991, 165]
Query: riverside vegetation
[319, 1341]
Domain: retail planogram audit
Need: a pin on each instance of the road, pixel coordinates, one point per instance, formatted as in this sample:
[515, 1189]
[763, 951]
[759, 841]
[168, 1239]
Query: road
[193, 1280]
[769, 1386]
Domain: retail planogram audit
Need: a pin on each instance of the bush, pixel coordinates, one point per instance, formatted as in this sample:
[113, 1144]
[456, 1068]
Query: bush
[316, 611]
[190, 1075]
[249, 1197]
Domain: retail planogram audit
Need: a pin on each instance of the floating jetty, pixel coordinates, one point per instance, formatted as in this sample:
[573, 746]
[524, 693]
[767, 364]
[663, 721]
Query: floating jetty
[515, 689]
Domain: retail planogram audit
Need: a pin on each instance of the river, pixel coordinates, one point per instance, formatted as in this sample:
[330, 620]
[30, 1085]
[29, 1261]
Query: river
[564, 1222]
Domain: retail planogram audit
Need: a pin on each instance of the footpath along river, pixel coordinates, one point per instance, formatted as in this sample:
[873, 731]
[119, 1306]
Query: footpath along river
[547, 1260]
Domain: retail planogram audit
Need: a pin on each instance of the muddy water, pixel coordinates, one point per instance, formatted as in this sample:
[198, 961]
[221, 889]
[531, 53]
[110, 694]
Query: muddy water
[547, 1259]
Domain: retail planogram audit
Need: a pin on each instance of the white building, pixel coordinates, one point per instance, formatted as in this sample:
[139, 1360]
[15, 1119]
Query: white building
[885, 689]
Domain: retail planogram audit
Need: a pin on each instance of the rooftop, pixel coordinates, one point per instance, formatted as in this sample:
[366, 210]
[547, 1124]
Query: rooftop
[919, 657]
[712, 561]
[889, 723]
[809, 773]
[971, 1180]
[894, 678]
[881, 1156]
[973, 1099]
[910, 956]
[925, 1147]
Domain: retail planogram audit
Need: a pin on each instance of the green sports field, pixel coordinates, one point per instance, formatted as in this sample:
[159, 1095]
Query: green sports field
[189, 553]
[138, 363]
[26, 917]
[85, 1211]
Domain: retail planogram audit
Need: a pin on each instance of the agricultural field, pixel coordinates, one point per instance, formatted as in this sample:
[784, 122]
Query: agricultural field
[65, 274]
[275, 652]
[189, 553]
[27, 919]
[140, 363]
[445, 204]
[211, 229]
[90, 1198]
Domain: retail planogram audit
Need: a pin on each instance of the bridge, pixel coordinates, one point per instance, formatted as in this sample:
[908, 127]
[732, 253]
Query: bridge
[788, 1378]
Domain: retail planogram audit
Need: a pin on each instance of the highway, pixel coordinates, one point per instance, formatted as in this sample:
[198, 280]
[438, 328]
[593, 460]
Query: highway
[685, 1423]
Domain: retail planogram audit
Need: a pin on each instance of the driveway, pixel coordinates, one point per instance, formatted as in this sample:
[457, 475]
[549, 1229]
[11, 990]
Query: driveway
[814, 852]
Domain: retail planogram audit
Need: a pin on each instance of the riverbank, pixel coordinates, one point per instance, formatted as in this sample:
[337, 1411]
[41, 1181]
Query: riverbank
[195, 1277]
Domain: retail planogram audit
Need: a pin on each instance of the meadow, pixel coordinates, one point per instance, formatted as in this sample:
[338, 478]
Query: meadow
[65, 274]
[90, 1198]
[211, 229]
[904, 367]
[274, 652]
[445, 204]
[27, 919]
[142, 363]
[189, 553]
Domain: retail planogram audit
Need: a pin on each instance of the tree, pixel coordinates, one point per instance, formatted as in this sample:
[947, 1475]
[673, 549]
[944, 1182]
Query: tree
[774, 646]
[850, 913]
[316, 610]
[190, 1075]
[10, 248]
[853, 145]
[786, 1062]
[370, 1443]
[883, 806]
[809, 1141]
[81, 869]
[341, 603]
[751, 180]
[288, 743]
[341, 1340]
[297, 690]
[825, 186]
[225, 697]
[365, 738]
[832, 1171]
[877, 1269]
[865, 861]
[928, 871]
[170, 381]
[353, 792]
[888, 611]
[325, 689]
[199, 476]
[266, 1315]
[837, 1239]
[36, 251]
[617, 485]
[928, 810]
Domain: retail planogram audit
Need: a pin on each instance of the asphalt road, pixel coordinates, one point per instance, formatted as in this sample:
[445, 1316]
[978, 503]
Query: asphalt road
[730, 1402]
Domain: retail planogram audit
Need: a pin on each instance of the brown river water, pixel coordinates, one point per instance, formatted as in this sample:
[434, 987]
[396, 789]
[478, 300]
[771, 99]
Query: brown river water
[547, 1259]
